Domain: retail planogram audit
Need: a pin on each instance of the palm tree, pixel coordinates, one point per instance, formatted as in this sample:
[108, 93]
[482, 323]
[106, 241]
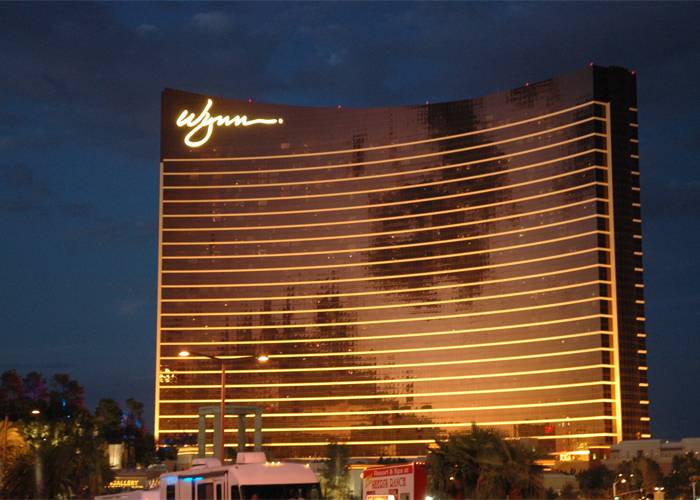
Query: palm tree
[481, 464]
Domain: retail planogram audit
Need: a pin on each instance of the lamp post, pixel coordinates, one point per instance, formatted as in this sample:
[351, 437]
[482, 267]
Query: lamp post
[222, 403]
[621, 479]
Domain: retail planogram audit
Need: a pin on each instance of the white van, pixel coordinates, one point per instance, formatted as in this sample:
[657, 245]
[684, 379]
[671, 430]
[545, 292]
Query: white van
[252, 477]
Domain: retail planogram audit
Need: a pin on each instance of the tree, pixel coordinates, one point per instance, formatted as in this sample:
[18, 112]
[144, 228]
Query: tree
[62, 452]
[335, 473]
[109, 416]
[595, 482]
[683, 469]
[482, 464]
[647, 474]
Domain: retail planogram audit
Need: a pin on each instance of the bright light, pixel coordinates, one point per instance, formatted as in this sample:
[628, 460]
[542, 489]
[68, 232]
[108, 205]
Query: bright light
[35, 412]
[183, 354]
[263, 358]
[205, 122]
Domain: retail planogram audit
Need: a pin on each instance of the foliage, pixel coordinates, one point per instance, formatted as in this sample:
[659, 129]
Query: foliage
[595, 482]
[482, 464]
[108, 416]
[61, 451]
[335, 473]
[684, 469]
[642, 474]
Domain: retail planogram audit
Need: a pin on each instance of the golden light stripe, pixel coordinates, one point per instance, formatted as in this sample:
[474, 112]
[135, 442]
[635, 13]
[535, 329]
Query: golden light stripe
[358, 221]
[391, 336]
[386, 306]
[156, 423]
[407, 426]
[387, 204]
[372, 162]
[419, 244]
[392, 321]
[383, 219]
[395, 276]
[420, 410]
[389, 146]
[408, 350]
[408, 245]
[390, 366]
[405, 441]
[613, 260]
[389, 381]
[398, 231]
[391, 261]
[369, 191]
[392, 291]
[394, 396]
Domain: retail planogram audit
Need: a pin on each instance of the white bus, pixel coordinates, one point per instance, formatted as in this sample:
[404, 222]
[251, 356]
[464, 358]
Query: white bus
[252, 477]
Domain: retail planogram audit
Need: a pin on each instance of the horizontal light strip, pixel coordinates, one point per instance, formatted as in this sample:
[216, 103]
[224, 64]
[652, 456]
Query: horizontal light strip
[288, 226]
[409, 245]
[405, 426]
[417, 410]
[377, 205]
[376, 190]
[390, 336]
[380, 367]
[399, 231]
[392, 261]
[419, 244]
[389, 292]
[395, 203]
[406, 441]
[394, 381]
[386, 306]
[393, 396]
[388, 146]
[393, 276]
[390, 321]
[371, 162]
[404, 350]
[381, 219]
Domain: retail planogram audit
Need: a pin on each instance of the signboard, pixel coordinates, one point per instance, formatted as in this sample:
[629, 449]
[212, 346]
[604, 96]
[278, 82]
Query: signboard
[394, 482]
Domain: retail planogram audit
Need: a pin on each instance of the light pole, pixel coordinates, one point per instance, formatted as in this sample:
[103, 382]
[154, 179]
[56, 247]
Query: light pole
[621, 479]
[693, 480]
[222, 403]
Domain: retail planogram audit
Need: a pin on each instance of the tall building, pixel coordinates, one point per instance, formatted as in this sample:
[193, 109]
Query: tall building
[410, 270]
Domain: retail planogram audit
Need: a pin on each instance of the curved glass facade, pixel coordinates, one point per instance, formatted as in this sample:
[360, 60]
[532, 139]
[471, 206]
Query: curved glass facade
[409, 270]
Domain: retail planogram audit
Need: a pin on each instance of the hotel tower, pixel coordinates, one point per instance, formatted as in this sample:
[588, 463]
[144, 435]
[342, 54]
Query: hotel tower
[409, 270]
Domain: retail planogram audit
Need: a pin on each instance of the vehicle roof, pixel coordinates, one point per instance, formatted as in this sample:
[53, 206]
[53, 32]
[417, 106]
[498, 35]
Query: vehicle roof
[249, 474]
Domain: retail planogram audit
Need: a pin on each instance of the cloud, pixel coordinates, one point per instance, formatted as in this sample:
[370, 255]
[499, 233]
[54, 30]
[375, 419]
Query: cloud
[147, 30]
[215, 22]
[130, 306]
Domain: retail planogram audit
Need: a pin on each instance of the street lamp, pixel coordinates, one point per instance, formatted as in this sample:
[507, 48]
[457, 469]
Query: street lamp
[262, 358]
[621, 479]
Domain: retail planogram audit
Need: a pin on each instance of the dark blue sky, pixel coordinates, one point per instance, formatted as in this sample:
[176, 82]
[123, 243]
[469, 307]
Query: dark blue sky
[79, 122]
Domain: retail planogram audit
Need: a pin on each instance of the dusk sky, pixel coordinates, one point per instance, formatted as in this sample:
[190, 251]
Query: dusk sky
[79, 148]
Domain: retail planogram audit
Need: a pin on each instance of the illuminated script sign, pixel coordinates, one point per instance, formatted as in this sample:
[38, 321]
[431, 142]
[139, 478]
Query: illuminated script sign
[201, 126]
